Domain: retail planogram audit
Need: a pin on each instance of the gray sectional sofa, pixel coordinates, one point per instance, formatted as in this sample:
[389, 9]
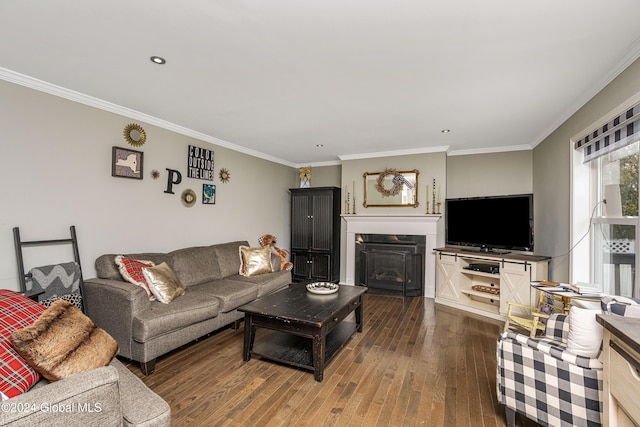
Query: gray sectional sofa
[214, 290]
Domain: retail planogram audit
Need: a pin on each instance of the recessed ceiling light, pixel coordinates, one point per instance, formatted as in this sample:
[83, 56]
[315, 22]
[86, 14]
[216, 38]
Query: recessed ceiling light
[158, 60]
[319, 145]
[445, 130]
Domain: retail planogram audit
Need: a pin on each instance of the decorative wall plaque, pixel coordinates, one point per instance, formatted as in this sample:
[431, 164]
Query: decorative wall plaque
[200, 163]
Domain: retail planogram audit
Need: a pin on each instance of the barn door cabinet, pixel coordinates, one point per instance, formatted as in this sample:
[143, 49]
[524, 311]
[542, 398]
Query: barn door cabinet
[315, 233]
[483, 283]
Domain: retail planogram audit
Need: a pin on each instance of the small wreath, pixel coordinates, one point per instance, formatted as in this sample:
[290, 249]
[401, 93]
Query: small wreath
[131, 138]
[393, 191]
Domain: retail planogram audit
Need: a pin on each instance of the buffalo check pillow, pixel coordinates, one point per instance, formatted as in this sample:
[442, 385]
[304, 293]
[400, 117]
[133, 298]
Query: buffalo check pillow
[16, 312]
[131, 271]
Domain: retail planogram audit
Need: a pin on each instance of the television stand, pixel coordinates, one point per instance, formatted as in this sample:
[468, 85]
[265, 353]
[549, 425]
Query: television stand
[482, 283]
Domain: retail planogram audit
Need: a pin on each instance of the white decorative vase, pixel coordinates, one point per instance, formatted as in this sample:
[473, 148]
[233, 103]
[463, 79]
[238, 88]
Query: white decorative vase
[305, 183]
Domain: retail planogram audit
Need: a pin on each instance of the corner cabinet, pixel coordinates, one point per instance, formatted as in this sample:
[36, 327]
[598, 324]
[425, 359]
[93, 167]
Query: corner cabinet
[482, 283]
[621, 370]
[315, 233]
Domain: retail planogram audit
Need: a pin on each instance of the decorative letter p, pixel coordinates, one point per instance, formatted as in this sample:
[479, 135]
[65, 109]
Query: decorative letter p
[175, 177]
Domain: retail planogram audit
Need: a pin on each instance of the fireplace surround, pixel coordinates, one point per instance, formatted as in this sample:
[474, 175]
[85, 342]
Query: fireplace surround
[419, 225]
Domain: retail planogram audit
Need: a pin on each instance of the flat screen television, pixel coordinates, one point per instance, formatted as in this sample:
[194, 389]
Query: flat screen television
[490, 223]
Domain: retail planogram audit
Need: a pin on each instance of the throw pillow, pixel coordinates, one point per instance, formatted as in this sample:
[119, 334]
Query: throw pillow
[131, 271]
[163, 282]
[16, 311]
[64, 342]
[585, 333]
[254, 261]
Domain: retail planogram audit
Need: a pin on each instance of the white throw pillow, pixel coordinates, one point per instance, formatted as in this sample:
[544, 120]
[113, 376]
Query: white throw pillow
[585, 333]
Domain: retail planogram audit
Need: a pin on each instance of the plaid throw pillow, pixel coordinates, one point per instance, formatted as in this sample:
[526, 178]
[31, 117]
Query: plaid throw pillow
[16, 312]
[131, 271]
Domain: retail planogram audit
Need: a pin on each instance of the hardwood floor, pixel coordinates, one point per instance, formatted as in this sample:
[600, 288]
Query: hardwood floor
[416, 363]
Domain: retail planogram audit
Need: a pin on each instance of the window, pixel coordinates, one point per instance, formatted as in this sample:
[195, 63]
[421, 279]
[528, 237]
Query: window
[615, 223]
[605, 203]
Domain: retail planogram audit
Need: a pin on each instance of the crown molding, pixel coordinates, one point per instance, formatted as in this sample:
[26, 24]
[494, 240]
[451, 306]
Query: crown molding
[319, 164]
[71, 95]
[424, 150]
[490, 150]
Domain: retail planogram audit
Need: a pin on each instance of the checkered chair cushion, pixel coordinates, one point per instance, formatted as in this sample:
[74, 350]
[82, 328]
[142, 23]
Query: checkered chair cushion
[558, 328]
[538, 378]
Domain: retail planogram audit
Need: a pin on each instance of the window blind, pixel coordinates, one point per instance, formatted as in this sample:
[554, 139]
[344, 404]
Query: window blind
[623, 130]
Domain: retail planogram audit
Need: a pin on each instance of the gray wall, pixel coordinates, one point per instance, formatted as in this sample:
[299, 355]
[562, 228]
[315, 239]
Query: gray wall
[55, 169]
[430, 166]
[552, 170]
[490, 174]
[324, 176]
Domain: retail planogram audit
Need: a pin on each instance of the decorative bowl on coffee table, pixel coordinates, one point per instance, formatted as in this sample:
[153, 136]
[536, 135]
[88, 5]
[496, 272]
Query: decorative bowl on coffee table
[322, 288]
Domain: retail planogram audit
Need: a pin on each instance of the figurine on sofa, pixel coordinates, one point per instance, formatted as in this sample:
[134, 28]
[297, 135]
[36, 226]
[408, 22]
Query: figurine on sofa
[271, 240]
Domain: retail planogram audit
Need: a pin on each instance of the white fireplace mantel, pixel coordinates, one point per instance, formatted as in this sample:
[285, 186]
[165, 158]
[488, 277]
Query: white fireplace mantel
[422, 225]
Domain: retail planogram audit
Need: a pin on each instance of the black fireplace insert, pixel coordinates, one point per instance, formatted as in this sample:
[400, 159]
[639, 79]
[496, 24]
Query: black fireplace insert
[391, 264]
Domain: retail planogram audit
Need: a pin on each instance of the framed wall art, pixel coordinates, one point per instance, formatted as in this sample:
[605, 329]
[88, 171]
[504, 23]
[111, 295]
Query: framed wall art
[208, 194]
[200, 163]
[126, 163]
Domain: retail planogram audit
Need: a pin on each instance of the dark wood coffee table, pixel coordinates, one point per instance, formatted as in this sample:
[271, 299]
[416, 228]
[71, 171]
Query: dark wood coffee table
[306, 330]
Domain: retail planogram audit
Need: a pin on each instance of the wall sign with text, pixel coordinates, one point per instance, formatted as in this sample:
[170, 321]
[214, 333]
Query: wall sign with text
[200, 163]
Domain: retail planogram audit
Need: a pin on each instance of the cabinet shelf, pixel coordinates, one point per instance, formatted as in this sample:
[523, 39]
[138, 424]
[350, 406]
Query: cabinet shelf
[480, 294]
[479, 273]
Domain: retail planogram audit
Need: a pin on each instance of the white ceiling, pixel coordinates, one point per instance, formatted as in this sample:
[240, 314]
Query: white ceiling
[275, 78]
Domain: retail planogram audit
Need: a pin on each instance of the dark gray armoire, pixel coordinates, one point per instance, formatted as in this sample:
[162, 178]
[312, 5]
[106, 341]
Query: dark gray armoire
[315, 234]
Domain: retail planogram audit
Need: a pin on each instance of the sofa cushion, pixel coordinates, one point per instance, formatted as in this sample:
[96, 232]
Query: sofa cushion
[163, 283]
[16, 311]
[265, 283]
[63, 342]
[276, 264]
[228, 259]
[106, 267]
[195, 265]
[231, 294]
[192, 307]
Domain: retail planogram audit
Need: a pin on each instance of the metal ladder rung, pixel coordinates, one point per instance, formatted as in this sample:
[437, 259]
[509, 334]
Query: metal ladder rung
[45, 242]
